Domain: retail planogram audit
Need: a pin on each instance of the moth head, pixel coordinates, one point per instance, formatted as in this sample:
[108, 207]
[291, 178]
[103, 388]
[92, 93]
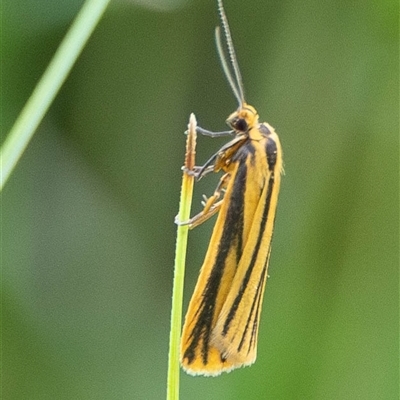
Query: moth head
[243, 119]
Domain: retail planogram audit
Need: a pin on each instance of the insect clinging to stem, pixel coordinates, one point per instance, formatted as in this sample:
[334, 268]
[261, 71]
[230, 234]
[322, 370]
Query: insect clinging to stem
[220, 332]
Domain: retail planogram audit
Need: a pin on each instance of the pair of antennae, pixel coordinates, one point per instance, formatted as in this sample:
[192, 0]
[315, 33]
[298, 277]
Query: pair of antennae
[236, 84]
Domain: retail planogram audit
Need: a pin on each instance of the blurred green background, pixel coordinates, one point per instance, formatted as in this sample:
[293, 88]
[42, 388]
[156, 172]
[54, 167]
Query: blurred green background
[87, 222]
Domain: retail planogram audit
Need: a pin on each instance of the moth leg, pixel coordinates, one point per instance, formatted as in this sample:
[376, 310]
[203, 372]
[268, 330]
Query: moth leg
[211, 205]
[202, 216]
[197, 170]
[212, 134]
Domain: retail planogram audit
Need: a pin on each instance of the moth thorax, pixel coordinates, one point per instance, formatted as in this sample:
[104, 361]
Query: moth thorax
[244, 119]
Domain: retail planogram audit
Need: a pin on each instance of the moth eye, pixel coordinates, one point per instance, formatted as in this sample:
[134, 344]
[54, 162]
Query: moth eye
[241, 125]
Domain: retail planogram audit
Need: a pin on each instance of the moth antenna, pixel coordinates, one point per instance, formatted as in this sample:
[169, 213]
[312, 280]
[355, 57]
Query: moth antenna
[236, 84]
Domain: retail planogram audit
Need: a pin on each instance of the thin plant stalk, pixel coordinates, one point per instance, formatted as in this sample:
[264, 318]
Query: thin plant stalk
[49, 85]
[180, 258]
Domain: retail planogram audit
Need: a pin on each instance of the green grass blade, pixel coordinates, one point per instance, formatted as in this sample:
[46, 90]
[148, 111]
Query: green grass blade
[179, 270]
[49, 85]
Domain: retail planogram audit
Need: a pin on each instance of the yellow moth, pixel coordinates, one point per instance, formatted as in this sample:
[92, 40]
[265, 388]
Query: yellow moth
[222, 322]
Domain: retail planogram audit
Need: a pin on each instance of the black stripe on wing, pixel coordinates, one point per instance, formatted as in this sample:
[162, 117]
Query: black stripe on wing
[239, 296]
[232, 233]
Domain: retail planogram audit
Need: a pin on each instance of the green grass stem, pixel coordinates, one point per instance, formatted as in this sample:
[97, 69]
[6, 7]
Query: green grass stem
[180, 258]
[49, 85]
